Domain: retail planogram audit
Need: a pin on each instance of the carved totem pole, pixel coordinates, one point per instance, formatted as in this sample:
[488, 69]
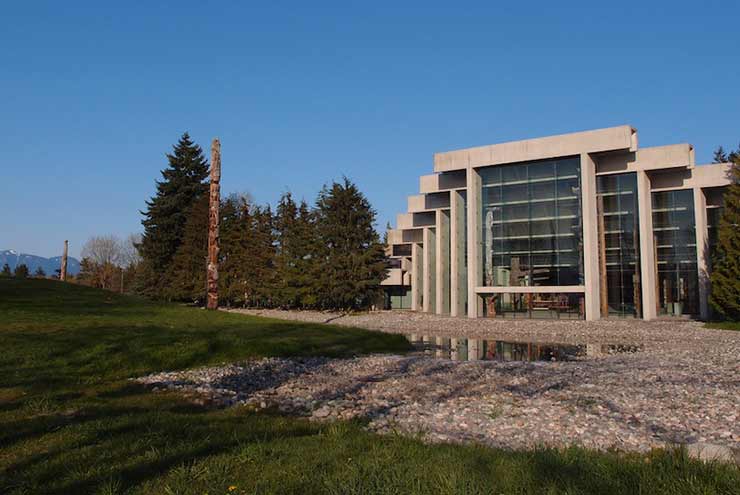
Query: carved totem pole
[213, 225]
[63, 268]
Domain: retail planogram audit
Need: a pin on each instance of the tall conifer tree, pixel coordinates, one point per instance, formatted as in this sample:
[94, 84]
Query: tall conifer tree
[167, 212]
[351, 263]
[186, 277]
[725, 277]
[294, 232]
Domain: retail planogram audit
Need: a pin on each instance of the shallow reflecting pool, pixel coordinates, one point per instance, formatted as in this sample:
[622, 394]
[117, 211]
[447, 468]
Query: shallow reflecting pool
[465, 349]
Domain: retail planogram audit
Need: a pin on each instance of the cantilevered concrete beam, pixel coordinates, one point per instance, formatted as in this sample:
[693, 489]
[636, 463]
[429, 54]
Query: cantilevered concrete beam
[596, 141]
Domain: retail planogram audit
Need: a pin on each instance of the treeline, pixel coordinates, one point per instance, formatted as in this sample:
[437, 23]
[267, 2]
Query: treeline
[324, 256]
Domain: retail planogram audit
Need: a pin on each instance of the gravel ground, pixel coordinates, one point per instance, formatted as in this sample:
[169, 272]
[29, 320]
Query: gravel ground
[682, 387]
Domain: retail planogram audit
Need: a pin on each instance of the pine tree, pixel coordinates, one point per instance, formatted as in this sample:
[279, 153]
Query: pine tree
[164, 220]
[186, 277]
[725, 277]
[40, 273]
[6, 271]
[351, 262]
[21, 271]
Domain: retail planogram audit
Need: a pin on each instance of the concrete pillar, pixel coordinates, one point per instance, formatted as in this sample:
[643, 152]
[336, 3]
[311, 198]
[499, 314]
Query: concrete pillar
[458, 272]
[475, 350]
[648, 276]
[442, 262]
[475, 274]
[417, 276]
[590, 237]
[454, 350]
[430, 275]
[702, 244]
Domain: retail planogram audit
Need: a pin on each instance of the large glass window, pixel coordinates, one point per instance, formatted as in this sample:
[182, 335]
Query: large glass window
[619, 242]
[532, 233]
[675, 242]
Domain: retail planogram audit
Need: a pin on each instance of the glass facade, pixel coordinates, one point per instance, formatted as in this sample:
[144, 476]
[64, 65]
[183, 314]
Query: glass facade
[715, 208]
[675, 243]
[536, 305]
[532, 231]
[397, 297]
[619, 242]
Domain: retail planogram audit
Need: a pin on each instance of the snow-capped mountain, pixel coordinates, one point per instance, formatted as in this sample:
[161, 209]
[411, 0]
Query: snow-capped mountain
[49, 265]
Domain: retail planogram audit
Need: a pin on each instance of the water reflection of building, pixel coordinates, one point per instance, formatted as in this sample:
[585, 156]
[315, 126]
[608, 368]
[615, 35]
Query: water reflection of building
[462, 349]
[582, 225]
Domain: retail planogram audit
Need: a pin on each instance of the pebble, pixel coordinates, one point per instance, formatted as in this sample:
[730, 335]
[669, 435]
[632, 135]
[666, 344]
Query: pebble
[681, 387]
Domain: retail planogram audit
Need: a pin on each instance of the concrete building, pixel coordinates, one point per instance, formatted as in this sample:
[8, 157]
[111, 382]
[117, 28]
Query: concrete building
[584, 225]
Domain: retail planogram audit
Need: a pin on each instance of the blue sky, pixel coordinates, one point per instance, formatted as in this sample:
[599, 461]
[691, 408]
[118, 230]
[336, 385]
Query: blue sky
[92, 96]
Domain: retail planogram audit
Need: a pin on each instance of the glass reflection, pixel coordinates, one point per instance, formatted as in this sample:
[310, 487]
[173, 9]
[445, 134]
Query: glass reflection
[675, 242]
[619, 242]
[531, 215]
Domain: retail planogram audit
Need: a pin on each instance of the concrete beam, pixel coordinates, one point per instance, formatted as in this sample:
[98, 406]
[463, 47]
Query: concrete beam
[595, 141]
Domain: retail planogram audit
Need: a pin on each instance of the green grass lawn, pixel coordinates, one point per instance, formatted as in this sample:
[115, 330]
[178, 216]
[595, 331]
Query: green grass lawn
[725, 325]
[71, 422]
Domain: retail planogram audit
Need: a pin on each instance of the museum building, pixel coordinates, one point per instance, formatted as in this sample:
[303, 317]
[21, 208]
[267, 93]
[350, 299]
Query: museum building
[584, 226]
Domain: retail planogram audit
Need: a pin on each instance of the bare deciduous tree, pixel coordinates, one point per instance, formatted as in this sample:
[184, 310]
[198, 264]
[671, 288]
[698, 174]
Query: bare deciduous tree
[103, 250]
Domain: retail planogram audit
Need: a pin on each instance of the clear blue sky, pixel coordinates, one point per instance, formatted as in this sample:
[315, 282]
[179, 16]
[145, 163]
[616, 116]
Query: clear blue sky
[92, 96]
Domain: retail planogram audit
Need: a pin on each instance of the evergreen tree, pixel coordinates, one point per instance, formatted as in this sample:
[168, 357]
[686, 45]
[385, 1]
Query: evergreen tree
[21, 271]
[719, 155]
[725, 277]
[6, 271]
[164, 220]
[294, 232]
[260, 271]
[40, 273]
[235, 234]
[186, 277]
[351, 263]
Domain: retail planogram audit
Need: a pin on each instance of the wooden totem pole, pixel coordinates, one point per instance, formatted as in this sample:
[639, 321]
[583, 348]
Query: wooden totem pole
[63, 268]
[213, 225]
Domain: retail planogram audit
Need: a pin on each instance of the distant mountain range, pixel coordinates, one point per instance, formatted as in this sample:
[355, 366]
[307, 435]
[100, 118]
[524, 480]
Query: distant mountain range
[49, 265]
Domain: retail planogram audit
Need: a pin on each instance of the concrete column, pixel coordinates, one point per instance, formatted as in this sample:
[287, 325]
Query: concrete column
[702, 243]
[590, 237]
[647, 248]
[475, 350]
[417, 276]
[475, 275]
[430, 275]
[458, 273]
[442, 264]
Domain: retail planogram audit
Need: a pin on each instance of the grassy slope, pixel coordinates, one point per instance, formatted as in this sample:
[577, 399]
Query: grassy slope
[70, 422]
